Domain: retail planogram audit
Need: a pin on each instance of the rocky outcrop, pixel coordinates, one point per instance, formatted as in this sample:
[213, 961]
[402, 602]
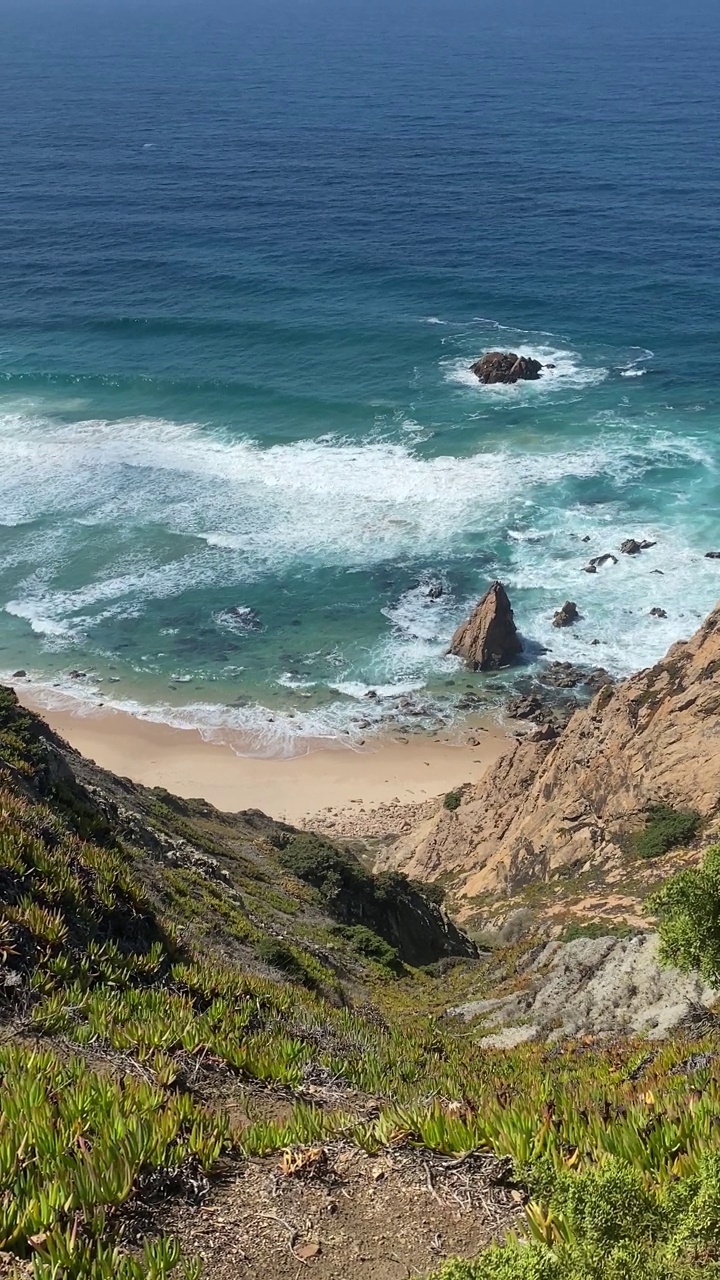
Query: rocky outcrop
[566, 616]
[611, 986]
[597, 562]
[630, 547]
[489, 639]
[506, 366]
[549, 805]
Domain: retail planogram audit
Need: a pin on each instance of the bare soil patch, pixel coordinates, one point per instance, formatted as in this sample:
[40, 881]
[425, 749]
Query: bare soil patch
[334, 1211]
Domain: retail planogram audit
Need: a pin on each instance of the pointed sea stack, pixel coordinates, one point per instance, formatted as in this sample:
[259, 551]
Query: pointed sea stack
[489, 638]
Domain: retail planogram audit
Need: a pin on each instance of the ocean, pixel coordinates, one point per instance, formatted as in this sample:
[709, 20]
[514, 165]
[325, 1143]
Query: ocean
[248, 254]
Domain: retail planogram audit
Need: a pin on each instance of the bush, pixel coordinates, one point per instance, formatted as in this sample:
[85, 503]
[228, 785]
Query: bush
[328, 869]
[688, 910]
[371, 946]
[452, 800]
[665, 829]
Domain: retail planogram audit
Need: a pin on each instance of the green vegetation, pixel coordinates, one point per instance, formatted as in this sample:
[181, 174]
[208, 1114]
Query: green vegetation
[594, 929]
[122, 1037]
[665, 829]
[369, 945]
[453, 800]
[72, 1147]
[688, 908]
[384, 905]
[608, 1223]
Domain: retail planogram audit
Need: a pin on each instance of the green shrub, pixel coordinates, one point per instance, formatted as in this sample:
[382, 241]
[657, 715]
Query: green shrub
[688, 911]
[371, 946]
[665, 829]
[453, 800]
[333, 872]
[607, 1223]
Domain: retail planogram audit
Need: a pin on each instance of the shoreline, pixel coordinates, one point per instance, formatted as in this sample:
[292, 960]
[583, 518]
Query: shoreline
[321, 785]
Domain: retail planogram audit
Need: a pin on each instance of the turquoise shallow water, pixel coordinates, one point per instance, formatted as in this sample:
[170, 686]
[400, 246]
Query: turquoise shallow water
[248, 255]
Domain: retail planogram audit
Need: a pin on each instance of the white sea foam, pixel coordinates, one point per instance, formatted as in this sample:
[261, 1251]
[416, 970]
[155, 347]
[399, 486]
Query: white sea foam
[252, 730]
[633, 373]
[332, 502]
[42, 626]
[239, 512]
[289, 681]
[357, 689]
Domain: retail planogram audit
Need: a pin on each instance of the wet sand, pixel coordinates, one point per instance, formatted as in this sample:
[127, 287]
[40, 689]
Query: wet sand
[387, 772]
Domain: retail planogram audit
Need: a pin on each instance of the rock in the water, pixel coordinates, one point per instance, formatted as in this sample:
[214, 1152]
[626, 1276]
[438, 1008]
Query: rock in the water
[631, 547]
[506, 366]
[19, 675]
[658, 613]
[489, 638]
[566, 616]
[712, 555]
[597, 562]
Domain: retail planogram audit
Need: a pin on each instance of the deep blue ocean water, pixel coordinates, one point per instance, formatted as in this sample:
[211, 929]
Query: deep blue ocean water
[248, 254]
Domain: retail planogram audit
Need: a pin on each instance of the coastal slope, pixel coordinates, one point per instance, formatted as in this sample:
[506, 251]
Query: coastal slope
[569, 805]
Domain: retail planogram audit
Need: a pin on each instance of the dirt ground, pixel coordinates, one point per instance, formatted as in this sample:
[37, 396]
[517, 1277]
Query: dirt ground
[332, 1212]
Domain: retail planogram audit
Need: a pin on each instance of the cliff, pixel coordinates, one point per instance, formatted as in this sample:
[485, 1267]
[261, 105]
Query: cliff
[569, 805]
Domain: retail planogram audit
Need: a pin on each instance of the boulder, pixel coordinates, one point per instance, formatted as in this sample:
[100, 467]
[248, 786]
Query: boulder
[489, 638]
[19, 675]
[565, 675]
[506, 366]
[566, 616]
[528, 708]
[632, 548]
[712, 555]
[658, 613]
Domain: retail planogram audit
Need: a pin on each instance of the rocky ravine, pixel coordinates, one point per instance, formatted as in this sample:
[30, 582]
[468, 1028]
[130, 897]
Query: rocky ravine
[553, 805]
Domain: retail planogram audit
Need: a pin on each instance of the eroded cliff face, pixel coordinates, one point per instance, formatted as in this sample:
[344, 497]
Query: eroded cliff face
[548, 806]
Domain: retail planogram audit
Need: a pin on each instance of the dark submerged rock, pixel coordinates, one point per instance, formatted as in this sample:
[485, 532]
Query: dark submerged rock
[630, 547]
[597, 562]
[566, 616]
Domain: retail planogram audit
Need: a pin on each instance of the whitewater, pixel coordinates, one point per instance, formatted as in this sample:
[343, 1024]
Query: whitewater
[248, 481]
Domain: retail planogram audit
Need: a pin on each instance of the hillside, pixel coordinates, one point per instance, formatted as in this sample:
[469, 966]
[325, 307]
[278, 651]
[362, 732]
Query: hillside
[553, 824]
[218, 1048]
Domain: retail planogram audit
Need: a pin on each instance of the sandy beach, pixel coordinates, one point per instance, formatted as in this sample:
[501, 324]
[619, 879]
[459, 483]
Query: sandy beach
[297, 789]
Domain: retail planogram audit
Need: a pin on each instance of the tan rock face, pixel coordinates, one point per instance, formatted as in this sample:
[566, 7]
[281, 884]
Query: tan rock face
[546, 805]
[489, 638]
